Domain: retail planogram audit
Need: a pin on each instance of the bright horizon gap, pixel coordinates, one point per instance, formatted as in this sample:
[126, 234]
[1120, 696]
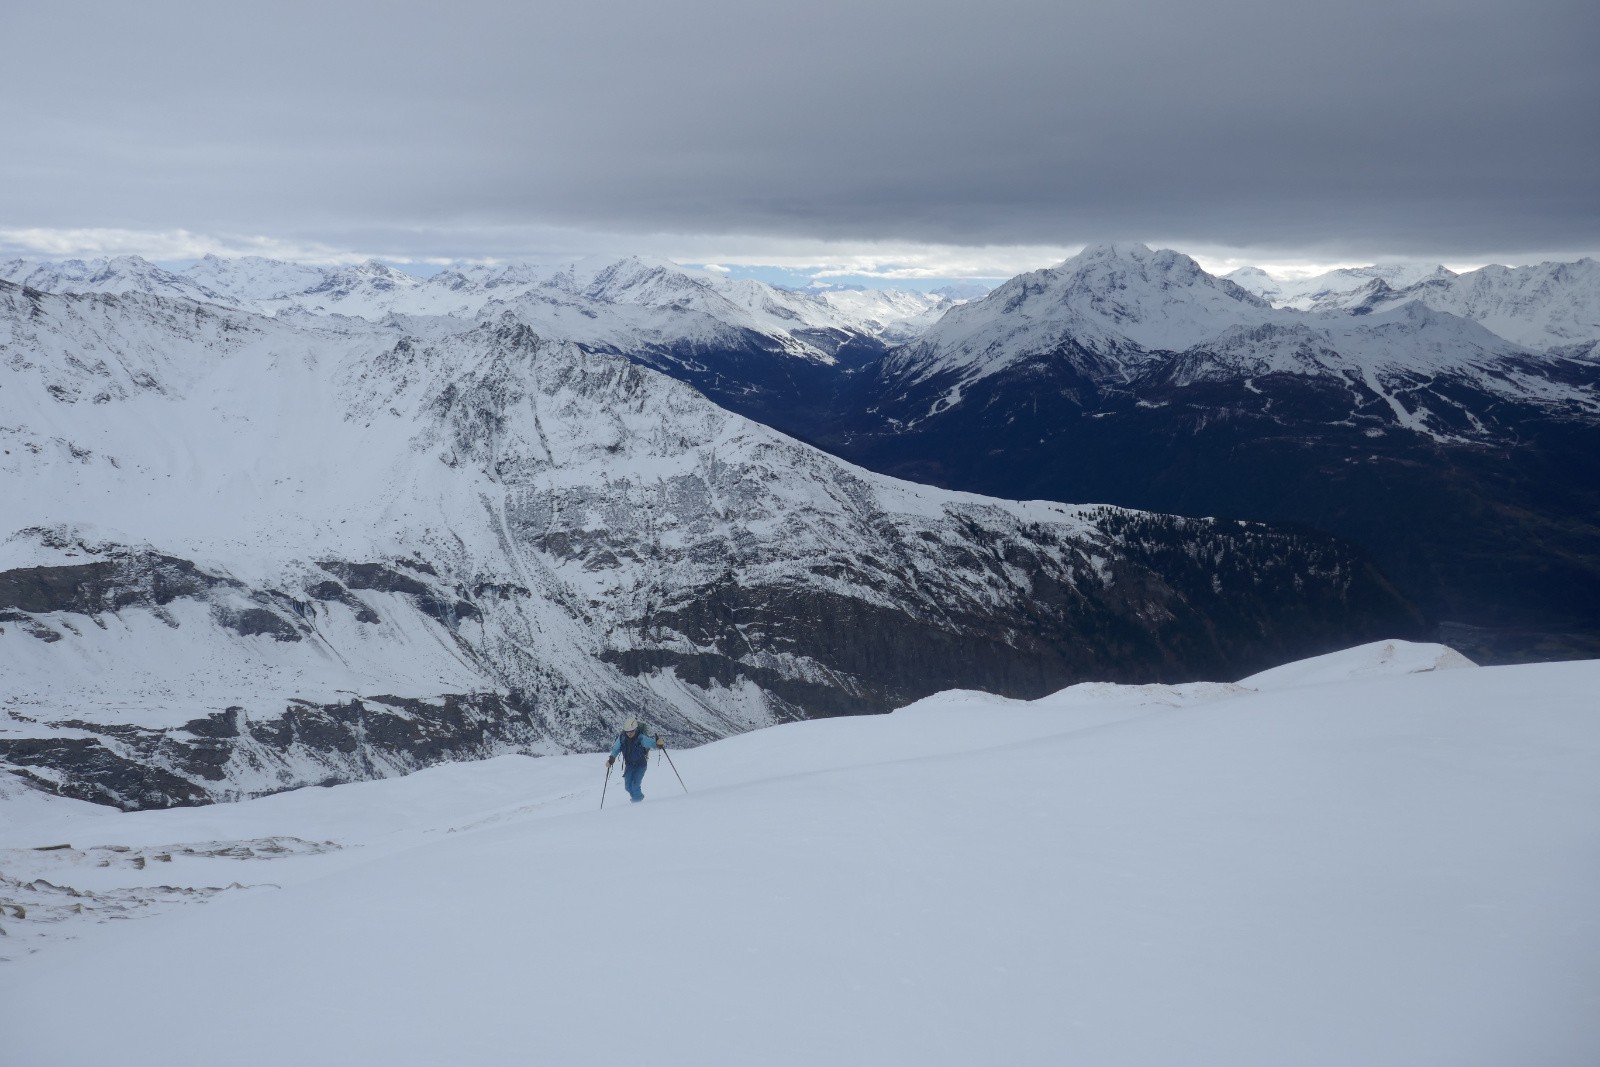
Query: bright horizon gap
[787, 262]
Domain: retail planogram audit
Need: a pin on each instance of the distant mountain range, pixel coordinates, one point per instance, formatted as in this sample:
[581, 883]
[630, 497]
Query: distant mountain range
[1549, 305]
[742, 342]
[243, 552]
[1443, 421]
[271, 524]
[647, 305]
[1467, 462]
[1326, 290]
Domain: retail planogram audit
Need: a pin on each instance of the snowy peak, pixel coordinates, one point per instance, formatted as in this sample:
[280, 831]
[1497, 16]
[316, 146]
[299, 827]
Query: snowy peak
[894, 315]
[1110, 300]
[629, 304]
[245, 280]
[1371, 284]
[116, 276]
[367, 283]
[1257, 281]
[1124, 317]
[1334, 289]
[1410, 347]
[1163, 276]
[1410, 342]
[635, 280]
[1542, 306]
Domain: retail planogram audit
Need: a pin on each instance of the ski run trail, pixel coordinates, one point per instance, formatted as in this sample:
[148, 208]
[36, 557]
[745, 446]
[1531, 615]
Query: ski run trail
[1363, 859]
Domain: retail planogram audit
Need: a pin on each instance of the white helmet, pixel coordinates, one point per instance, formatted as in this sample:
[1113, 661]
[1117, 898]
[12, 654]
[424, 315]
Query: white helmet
[630, 726]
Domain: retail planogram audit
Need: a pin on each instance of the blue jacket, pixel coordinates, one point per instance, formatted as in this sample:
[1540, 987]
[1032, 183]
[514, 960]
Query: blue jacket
[634, 753]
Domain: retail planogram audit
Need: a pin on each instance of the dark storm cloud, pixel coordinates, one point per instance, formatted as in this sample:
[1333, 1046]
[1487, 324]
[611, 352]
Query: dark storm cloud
[1457, 127]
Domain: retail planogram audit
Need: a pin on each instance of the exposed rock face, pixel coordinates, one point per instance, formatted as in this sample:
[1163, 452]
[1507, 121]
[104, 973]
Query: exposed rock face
[302, 742]
[106, 585]
[1154, 615]
[206, 759]
[387, 550]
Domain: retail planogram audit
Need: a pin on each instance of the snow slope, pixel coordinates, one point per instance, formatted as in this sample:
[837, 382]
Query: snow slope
[1380, 658]
[1387, 868]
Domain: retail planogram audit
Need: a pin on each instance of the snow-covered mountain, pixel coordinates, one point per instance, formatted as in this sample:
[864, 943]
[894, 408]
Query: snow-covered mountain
[895, 315]
[775, 355]
[1464, 461]
[1105, 301]
[122, 274]
[1116, 315]
[1432, 373]
[240, 281]
[1382, 857]
[657, 305]
[624, 304]
[243, 553]
[1545, 306]
[1333, 289]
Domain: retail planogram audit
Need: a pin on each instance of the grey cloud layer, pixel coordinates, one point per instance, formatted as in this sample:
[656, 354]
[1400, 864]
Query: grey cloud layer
[1463, 127]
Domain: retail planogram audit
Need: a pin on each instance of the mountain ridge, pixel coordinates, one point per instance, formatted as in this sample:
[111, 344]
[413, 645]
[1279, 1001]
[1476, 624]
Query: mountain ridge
[1048, 387]
[1458, 457]
[242, 520]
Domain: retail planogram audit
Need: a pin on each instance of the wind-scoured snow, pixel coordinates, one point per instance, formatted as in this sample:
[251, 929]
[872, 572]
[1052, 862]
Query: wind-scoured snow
[1385, 867]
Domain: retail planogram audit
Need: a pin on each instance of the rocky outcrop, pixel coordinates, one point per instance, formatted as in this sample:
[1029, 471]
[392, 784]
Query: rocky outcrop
[106, 585]
[211, 759]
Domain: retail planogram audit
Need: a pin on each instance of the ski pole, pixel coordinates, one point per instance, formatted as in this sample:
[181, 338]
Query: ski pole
[606, 786]
[674, 767]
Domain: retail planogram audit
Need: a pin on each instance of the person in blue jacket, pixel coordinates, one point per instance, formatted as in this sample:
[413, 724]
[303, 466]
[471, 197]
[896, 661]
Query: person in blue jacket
[634, 746]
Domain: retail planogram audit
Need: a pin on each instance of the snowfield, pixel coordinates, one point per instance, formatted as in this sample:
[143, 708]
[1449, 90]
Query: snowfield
[1345, 862]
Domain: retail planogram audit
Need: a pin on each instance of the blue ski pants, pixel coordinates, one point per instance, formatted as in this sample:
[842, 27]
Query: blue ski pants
[632, 777]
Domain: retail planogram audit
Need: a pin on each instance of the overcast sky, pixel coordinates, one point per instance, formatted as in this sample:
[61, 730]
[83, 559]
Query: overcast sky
[947, 138]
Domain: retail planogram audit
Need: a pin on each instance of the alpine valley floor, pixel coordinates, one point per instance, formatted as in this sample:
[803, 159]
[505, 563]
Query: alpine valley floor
[1359, 859]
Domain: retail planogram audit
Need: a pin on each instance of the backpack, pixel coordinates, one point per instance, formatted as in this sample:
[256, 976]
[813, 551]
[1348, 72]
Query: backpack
[633, 752]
